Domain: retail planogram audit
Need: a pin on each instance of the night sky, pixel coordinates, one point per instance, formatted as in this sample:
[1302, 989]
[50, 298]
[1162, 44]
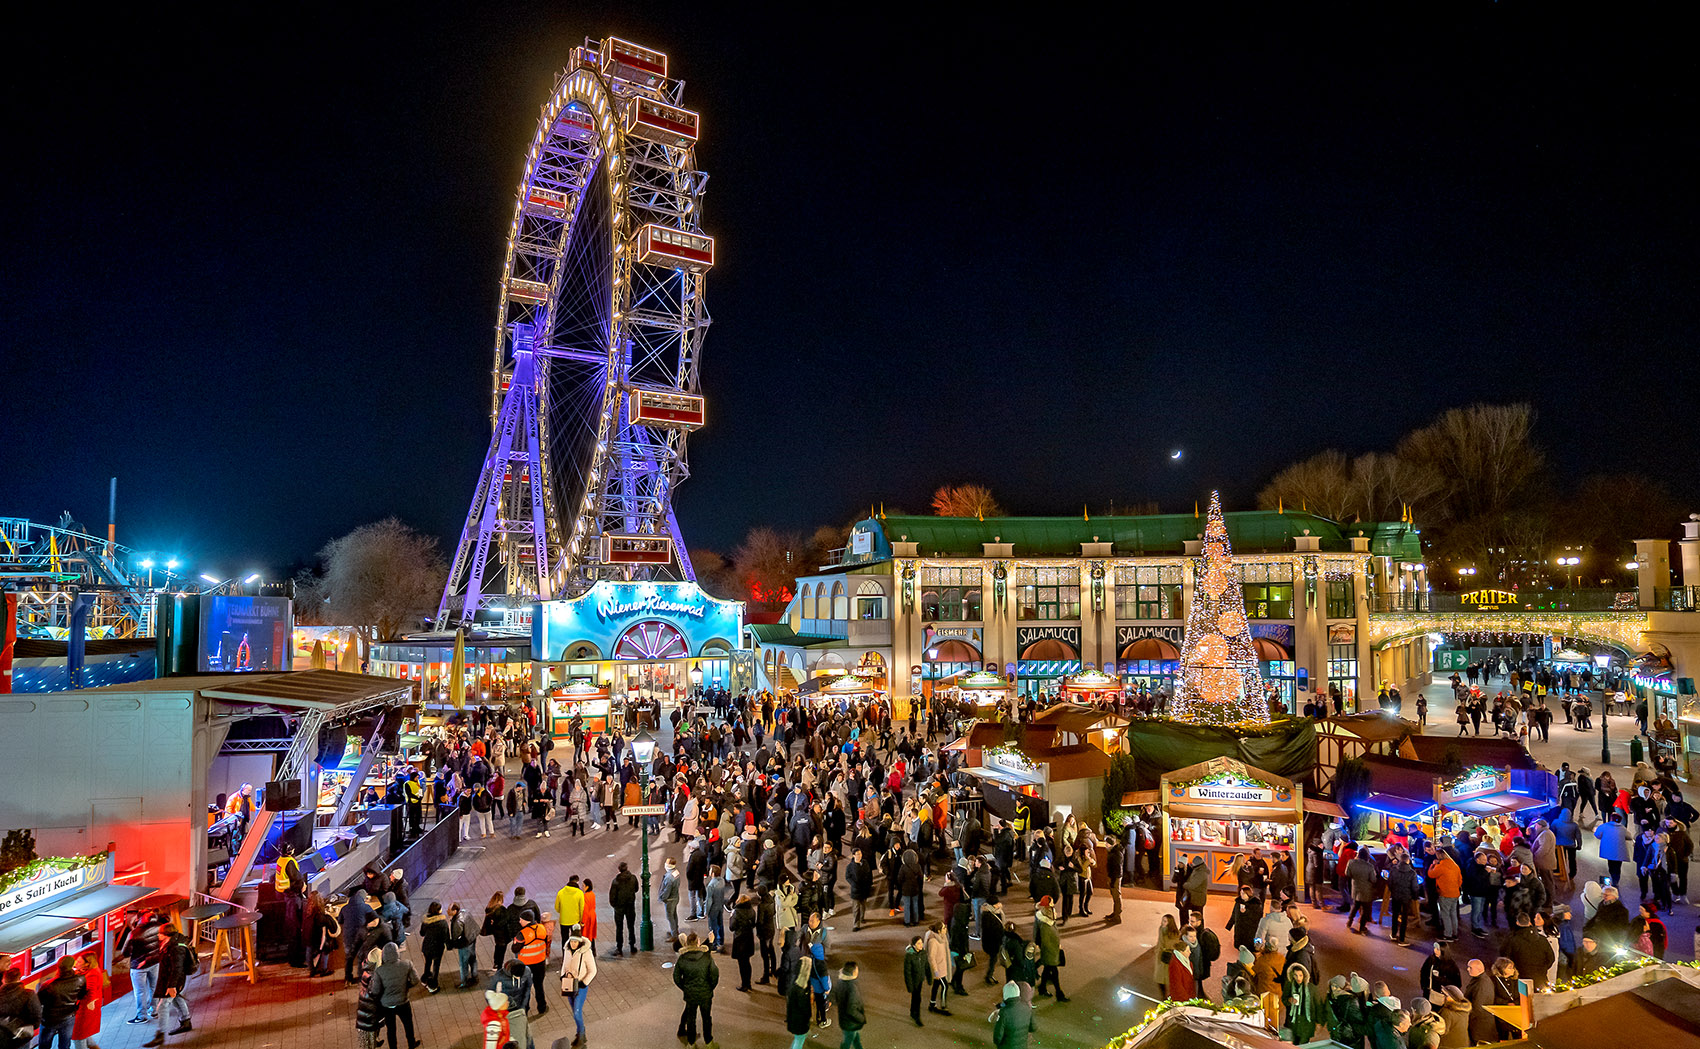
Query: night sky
[253, 272]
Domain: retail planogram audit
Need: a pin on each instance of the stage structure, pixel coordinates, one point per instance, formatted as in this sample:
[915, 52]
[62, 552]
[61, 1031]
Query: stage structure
[599, 332]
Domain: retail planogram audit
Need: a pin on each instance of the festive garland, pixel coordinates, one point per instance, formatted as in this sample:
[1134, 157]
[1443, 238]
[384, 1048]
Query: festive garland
[1126, 1038]
[1224, 778]
[1600, 975]
[1015, 756]
[1278, 724]
[1471, 773]
[47, 864]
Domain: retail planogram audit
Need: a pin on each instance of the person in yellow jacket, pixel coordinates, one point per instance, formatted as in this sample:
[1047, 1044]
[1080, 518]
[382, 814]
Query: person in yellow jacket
[569, 905]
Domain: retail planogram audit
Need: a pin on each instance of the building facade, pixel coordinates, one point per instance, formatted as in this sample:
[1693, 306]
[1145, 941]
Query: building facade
[1039, 598]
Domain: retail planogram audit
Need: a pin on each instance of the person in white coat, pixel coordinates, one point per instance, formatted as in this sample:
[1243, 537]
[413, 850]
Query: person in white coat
[578, 970]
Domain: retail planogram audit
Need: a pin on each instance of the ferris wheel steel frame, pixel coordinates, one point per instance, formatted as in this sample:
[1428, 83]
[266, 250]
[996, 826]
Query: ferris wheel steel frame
[599, 332]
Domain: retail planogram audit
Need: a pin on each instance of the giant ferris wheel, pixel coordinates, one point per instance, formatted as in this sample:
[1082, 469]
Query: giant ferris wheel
[599, 330]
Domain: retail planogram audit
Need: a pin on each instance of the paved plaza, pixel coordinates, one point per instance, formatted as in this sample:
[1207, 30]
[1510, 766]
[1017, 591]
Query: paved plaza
[633, 1002]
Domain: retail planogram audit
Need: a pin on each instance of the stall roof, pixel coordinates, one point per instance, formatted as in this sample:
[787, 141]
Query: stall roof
[327, 690]
[1662, 1013]
[1080, 761]
[1374, 726]
[1472, 750]
[21, 934]
[1401, 776]
[1405, 808]
[1225, 764]
[1078, 718]
[1193, 1031]
[1501, 804]
[100, 901]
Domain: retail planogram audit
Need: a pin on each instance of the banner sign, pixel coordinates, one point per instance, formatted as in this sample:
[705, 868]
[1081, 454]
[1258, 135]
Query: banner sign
[677, 619]
[49, 886]
[1127, 635]
[1027, 635]
[1489, 598]
[1241, 792]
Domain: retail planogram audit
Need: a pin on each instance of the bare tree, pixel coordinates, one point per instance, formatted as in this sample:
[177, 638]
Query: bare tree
[1484, 455]
[309, 603]
[821, 543]
[1383, 484]
[382, 579]
[715, 575]
[965, 500]
[1321, 484]
[766, 568]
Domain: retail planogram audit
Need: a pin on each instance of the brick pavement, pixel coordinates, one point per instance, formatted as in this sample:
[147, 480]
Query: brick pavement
[633, 1002]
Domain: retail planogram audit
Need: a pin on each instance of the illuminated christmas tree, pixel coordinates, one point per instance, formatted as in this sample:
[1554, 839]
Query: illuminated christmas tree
[1219, 679]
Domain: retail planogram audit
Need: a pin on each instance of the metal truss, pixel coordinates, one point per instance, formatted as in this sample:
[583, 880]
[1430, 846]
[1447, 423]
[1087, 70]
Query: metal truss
[582, 322]
[49, 565]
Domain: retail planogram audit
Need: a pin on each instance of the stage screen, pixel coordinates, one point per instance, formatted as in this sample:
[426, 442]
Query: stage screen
[244, 633]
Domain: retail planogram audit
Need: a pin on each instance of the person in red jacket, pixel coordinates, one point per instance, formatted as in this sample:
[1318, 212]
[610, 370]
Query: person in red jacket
[493, 1022]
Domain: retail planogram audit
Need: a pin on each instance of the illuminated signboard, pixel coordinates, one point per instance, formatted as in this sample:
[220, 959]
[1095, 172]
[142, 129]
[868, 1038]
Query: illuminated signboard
[635, 620]
[1476, 782]
[244, 633]
[1490, 598]
[50, 885]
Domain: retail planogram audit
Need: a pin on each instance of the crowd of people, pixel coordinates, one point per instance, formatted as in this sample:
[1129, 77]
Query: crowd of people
[786, 813]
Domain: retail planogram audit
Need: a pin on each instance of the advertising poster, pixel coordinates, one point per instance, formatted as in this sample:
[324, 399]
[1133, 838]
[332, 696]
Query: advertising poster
[244, 634]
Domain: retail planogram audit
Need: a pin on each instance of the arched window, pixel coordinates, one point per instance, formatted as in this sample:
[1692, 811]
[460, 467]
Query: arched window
[840, 602]
[870, 600]
[806, 602]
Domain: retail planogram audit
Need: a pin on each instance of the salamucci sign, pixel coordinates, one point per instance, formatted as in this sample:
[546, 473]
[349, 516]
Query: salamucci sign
[1026, 635]
[1127, 635]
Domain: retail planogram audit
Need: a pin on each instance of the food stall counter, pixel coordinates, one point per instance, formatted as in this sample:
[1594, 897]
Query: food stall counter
[1221, 809]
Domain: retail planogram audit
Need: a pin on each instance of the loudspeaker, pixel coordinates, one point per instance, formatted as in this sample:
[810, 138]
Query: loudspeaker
[283, 795]
[391, 740]
[333, 742]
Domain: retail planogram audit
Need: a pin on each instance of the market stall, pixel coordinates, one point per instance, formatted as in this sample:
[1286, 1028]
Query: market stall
[984, 690]
[579, 698]
[1082, 723]
[1222, 809]
[1484, 791]
[1090, 686]
[62, 907]
[847, 688]
[1067, 776]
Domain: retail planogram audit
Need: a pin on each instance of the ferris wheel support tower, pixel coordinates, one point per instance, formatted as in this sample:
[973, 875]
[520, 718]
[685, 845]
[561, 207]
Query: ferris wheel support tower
[599, 335]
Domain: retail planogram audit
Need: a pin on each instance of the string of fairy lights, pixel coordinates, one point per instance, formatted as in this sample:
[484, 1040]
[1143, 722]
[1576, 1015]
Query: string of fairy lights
[1219, 681]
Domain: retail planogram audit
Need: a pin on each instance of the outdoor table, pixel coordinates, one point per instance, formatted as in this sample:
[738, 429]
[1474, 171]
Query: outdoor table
[198, 914]
[241, 923]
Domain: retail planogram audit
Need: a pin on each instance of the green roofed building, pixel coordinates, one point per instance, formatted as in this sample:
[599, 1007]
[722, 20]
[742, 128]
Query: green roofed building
[915, 602]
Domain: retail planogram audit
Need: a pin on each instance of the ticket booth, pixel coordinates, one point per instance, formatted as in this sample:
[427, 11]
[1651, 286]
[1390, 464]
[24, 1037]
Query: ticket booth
[579, 698]
[1222, 809]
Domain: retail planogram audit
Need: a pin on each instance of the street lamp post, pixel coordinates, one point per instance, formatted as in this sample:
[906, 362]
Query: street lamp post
[643, 751]
[1571, 563]
[1605, 741]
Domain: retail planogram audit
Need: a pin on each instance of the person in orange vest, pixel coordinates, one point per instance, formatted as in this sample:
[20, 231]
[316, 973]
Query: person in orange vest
[532, 945]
